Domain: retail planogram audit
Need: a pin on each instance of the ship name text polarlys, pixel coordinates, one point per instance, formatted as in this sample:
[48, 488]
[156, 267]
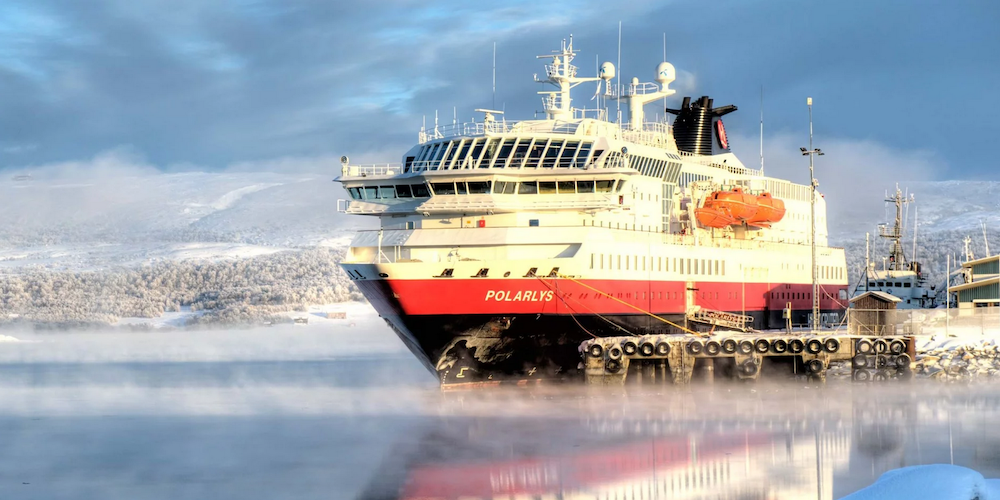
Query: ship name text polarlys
[525, 296]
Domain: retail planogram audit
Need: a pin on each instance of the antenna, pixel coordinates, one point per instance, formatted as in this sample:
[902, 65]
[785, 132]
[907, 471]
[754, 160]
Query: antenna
[913, 254]
[985, 240]
[762, 129]
[494, 75]
[664, 60]
[618, 80]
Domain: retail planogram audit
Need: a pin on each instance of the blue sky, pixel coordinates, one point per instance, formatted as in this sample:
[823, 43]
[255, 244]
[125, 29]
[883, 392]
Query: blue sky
[212, 84]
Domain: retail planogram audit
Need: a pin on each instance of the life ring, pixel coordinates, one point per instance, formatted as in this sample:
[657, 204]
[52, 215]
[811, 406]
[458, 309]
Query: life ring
[595, 350]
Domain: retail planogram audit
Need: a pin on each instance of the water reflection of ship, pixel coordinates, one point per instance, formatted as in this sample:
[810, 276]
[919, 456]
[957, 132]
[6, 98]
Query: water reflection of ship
[755, 460]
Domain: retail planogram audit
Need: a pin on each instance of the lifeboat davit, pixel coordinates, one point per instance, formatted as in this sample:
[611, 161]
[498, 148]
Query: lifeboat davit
[769, 211]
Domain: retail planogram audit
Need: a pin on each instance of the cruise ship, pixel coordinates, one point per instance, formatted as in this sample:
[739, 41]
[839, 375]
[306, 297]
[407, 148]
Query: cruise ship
[503, 245]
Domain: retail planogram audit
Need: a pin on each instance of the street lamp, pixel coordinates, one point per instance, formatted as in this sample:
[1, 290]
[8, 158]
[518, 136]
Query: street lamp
[812, 214]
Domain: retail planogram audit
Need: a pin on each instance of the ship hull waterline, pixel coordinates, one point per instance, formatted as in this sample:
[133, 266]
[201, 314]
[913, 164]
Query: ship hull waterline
[467, 331]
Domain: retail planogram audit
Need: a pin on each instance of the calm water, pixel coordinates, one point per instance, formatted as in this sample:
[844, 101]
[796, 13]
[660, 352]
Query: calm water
[254, 414]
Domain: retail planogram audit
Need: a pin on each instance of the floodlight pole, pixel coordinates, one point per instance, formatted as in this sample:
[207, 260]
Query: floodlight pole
[812, 216]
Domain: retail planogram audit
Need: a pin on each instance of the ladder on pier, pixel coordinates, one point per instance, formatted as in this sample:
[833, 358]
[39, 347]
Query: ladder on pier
[720, 319]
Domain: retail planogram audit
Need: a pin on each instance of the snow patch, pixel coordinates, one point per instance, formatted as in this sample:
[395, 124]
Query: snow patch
[930, 482]
[227, 200]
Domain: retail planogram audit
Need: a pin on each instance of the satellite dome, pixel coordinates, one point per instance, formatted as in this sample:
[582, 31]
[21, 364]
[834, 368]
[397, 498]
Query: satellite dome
[607, 71]
[665, 73]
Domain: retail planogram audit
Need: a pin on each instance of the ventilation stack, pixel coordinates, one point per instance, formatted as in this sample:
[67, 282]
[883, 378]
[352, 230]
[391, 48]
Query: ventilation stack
[697, 123]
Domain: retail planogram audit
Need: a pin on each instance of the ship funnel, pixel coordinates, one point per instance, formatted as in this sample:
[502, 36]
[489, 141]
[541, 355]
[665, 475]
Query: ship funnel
[696, 123]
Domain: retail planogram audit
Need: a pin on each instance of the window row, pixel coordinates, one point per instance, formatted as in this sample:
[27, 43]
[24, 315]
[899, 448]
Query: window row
[881, 284]
[706, 267]
[488, 152]
[407, 191]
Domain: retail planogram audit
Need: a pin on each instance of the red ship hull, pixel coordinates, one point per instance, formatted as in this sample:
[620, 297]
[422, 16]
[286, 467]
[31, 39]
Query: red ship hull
[515, 327]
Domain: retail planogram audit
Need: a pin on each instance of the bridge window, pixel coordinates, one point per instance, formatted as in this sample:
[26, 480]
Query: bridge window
[386, 192]
[605, 186]
[568, 153]
[371, 192]
[420, 191]
[461, 188]
[546, 187]
[355, 193]
[479, 187]
[527, 188]
[502, 156]
[403, 191]
[585, 186]
[443, 188]
[552, 153]
[452, 151]
[477, 151]
[535, 153]
[567, 187]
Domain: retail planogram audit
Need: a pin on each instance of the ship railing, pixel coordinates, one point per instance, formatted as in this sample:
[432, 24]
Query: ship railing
[374, 170]
[733, 169]
[642, 88]
[654, 134]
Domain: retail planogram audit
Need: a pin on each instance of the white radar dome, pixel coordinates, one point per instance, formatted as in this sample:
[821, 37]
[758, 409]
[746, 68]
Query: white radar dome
[607, 71]
[665, 73]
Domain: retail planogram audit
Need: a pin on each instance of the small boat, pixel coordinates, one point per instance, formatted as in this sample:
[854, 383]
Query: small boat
[709, 216]
[741, 206]
[769, 211]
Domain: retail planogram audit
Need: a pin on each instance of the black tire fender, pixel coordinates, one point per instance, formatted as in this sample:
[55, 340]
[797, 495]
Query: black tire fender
[712, 348]
[796, 346]
[863, 346]
[779, 346]
[814, 346]
[695, 347]
[647, 348]
[595, 350]
[662, 348]
[629, 347]
[762, 346]
[729, 346]
[745, 347]
[613, 365]
[831, 345]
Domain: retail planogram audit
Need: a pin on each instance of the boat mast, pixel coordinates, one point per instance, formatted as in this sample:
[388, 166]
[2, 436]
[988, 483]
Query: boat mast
[896, 256]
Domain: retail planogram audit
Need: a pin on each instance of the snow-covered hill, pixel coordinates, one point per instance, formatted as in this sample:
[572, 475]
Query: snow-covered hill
[88, 220]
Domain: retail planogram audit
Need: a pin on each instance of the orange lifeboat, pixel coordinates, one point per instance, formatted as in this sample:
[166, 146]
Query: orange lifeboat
[769, 211]
[741, 206]
[711, 216]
